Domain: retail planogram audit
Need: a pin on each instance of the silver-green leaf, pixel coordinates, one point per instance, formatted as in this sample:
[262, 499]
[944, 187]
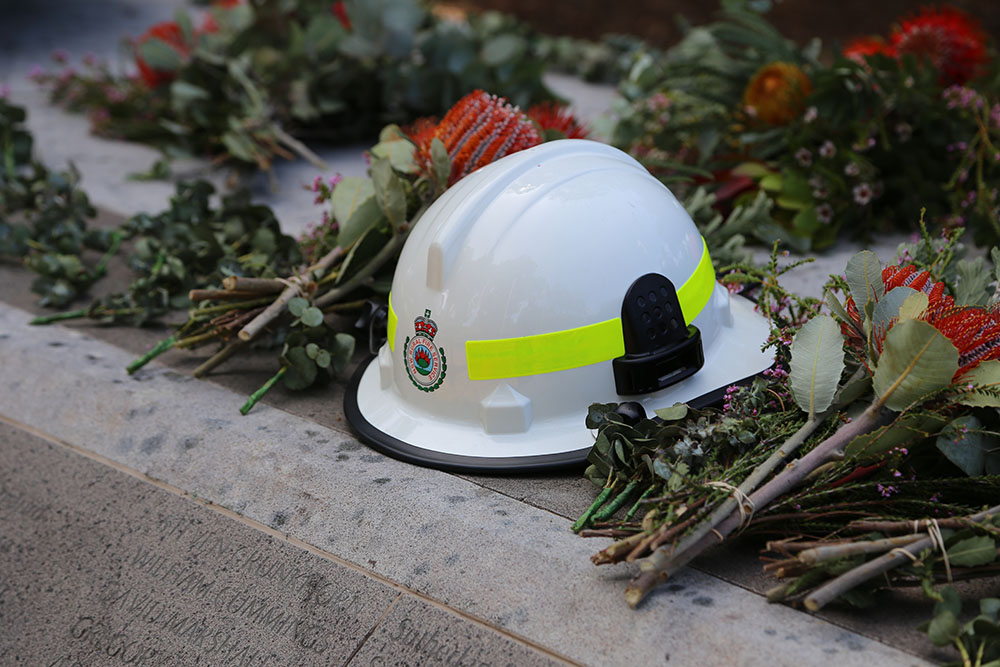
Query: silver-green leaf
[973, 551]
[817, 363]
[985, 382]
[864, 277]
[887, 308]
[389, 191]
[349, 194]
[916, 360]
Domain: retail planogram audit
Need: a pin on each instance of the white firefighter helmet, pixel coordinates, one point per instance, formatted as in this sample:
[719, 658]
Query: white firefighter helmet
[556, 277]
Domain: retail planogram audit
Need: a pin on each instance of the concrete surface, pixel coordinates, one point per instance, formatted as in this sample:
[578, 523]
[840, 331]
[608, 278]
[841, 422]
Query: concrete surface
[489, 556]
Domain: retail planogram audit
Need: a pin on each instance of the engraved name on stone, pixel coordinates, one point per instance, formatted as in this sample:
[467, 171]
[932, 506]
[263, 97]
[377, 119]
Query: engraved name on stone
[204, 594]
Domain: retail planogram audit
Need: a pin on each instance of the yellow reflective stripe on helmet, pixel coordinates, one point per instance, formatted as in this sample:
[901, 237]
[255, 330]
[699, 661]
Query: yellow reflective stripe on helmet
[573, 348]
[391, 322]
[697, 290]
[544, 353]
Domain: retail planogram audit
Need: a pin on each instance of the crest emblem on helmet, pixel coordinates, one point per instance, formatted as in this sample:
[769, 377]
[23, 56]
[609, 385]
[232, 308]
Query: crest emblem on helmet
[425, 362]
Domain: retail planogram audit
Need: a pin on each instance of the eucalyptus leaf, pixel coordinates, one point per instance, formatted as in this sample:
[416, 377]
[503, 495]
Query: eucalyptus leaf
[887, 308]
[985, 381]
[963, 444]
[943, 629]
[297, 305]
[441, 163]
[903, 432]
[673, 413]
[916, 361]
[817, 363]
[389, 191]
[973, 551]
[864, 278]
[364, 218]
[343, 350]
[301, 369]
[160, 56]
[349, 194]
[399, 152]
[972, 282]
[312, 316]
[913, 306]
[837, 308]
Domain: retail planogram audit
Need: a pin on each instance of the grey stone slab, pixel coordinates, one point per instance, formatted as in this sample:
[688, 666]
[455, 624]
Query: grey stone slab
[417, 633]
[487, 555]
[98, 567]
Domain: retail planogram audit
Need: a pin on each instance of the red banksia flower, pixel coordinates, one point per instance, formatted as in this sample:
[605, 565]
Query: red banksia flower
[340, 12]
[973, 330]
[952, 41]
[553, 116]
[478, 130]
[776, 94]
[862, 47]
[170, 33]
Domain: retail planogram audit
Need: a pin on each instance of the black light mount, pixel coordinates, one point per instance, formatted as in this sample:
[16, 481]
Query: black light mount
[661, 349]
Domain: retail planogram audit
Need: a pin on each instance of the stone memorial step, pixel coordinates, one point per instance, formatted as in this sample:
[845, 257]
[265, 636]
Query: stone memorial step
[484, 555]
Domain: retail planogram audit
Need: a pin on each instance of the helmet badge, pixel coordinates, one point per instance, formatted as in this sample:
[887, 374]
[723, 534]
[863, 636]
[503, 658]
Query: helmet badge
[425, 362]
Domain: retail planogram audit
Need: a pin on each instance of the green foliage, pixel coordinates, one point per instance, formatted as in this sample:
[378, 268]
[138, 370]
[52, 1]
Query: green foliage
[917, 361]
[817, 363]
[280, 71]
[871, 144]
[43, 217]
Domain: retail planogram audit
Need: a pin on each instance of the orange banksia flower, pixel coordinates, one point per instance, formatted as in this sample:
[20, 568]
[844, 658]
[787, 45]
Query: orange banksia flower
[478, 130]
[776, 94]
[553, 116]
[973, 330]
[950, 40]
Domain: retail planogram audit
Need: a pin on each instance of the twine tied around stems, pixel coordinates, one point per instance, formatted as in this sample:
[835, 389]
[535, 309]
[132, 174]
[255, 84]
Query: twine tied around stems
[937, 544]
[743, 502]
[294, 281]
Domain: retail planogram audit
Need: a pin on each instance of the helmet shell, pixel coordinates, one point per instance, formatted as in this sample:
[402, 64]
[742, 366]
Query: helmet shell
[544, 240]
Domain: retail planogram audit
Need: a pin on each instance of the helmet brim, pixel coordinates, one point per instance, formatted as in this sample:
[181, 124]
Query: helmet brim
[429, 458]
[426, 456]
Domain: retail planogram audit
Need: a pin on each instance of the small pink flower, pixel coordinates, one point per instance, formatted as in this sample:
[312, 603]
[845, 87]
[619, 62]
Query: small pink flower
[804, 157]
[60, 56]
[852, 169]
[824, 213]
[810, 115]
[862, 193]
[827, 150]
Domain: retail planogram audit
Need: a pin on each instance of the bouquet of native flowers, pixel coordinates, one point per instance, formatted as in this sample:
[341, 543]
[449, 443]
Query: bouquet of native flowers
[298, 304]
[886, 127]
[256, 79]
[868, 453]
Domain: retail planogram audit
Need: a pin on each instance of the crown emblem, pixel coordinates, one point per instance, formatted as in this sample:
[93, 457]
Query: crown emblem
[425, 325]
[424, 361]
